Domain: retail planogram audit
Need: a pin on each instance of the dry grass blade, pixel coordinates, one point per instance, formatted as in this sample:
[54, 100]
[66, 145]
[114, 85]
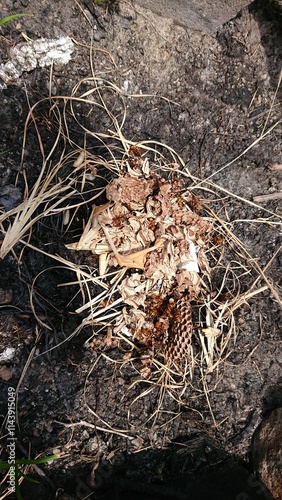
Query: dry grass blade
[23, 221]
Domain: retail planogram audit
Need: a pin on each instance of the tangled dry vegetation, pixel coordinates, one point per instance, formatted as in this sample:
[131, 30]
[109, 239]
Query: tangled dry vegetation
[167, 280]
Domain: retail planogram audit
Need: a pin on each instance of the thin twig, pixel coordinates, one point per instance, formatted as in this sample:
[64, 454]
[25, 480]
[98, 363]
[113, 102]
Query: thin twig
[268, 197]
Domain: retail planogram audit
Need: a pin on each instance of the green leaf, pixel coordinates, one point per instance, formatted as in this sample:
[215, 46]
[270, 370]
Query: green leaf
[25, 461]
[30, 479]
[3, 465]
[12, 17]
[17, 488]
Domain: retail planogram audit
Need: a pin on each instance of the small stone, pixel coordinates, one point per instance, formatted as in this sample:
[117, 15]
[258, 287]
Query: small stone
[6, 296]
[7, 354]
[5, 373]
[10, 197]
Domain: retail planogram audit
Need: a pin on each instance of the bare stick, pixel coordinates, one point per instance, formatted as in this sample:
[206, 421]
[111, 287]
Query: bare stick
[268, 197]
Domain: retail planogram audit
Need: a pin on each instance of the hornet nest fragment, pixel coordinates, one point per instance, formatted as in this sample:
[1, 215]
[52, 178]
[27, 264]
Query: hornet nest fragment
[149, 227]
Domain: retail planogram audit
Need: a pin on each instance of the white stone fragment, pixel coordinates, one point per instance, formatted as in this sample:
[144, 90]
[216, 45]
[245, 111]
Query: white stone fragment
[7, 354]
[38, 53]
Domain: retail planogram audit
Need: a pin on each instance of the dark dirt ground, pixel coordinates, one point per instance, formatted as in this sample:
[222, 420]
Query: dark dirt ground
[218, 92]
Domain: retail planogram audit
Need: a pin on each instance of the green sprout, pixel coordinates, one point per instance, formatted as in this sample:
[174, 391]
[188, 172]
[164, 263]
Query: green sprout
[17, 473]
[7, 19]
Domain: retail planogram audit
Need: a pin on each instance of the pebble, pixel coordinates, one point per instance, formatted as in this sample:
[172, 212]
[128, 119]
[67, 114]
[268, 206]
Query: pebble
[6, 296]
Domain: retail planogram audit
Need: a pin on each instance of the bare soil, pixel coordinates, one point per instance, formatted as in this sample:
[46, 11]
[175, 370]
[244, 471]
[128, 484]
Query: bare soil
[208, 98]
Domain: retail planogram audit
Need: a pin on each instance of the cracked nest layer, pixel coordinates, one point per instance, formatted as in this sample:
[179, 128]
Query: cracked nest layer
[150, 227]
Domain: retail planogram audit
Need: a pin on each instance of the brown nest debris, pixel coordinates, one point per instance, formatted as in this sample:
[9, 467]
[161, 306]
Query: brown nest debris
[150, 227]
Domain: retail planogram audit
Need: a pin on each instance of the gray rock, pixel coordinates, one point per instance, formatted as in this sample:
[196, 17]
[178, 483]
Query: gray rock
[196, 14]
[10, 197]
[267, 452]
